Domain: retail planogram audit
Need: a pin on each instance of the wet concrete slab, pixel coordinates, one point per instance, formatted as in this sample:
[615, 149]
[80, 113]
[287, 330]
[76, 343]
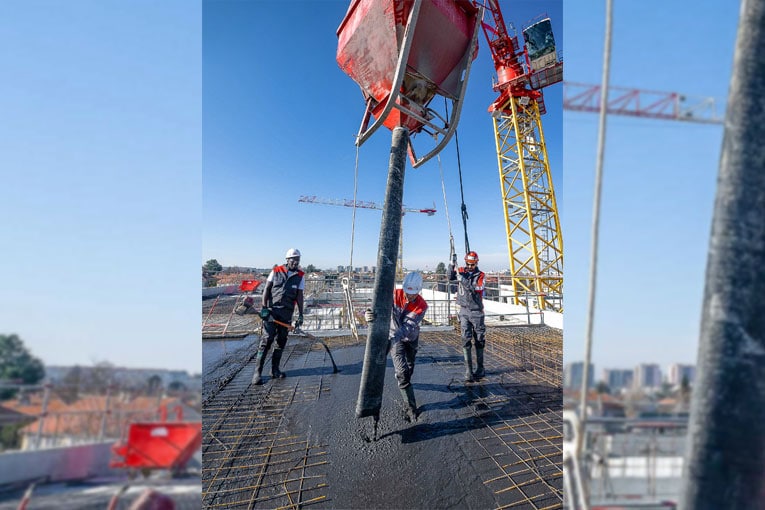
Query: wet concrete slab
[296, 442]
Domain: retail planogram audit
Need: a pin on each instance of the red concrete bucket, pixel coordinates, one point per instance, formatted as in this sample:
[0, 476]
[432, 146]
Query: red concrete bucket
[158, 445]
[372, 40]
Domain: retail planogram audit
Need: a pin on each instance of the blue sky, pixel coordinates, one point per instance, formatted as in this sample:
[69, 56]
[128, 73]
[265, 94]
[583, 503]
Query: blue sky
[658, 185]
[280, 119]
[100, 151]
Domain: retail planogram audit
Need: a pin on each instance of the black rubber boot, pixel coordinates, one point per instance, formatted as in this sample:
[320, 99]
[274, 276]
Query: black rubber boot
[468, 354]
[408, 395]
[479, 372]
[257, 377]
[276, 358]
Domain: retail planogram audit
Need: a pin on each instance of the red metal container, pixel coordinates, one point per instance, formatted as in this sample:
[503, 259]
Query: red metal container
[158, 445]
[371, 39]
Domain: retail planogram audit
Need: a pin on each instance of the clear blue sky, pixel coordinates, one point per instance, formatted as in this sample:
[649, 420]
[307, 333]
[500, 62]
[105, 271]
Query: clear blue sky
[280, 119]
[100, 151]
[658, 185]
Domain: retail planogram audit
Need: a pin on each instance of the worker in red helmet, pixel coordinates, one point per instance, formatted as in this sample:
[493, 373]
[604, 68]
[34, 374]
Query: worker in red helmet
[471, 314]
[409, 309]
[284, 290]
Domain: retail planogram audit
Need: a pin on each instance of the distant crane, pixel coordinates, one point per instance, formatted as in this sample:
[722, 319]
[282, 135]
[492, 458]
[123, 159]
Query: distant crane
[634, 102]
[312, 199]
[532, 222]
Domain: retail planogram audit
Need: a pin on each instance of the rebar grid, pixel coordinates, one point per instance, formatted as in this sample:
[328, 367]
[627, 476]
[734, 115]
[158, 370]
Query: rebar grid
[248, 459]
[522, 418]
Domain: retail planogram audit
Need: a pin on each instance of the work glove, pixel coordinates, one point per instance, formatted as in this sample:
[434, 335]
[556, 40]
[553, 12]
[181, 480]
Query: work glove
[264, 313]
[369, 315]
[299, 321]
[454, 260]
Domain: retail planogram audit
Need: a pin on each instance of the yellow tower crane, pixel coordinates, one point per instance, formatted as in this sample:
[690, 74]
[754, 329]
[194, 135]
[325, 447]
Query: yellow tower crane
[532, 222]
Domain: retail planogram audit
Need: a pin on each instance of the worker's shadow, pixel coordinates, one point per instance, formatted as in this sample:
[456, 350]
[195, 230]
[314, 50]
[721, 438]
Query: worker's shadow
[484, 414]
[463, 395]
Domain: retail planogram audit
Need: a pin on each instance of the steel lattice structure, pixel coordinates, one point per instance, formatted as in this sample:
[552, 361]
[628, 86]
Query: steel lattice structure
[532, 221]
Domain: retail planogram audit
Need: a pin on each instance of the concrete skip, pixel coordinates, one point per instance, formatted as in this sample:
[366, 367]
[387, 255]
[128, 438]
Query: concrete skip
[56, 464]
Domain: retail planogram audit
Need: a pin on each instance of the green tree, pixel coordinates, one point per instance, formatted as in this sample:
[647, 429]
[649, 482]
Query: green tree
[603, 387]
[441, 268]
[212, 265]
[17, 364]
[154, 384]
[310, 269]
[176, 387]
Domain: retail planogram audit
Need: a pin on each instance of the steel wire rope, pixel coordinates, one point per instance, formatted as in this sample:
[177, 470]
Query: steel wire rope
[463, 207]
[595, 230]
[346, 289]
[452, 254]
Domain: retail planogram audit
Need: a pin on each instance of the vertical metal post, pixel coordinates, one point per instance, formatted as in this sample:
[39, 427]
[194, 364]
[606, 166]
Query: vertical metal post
[376, 353]
[725, 467]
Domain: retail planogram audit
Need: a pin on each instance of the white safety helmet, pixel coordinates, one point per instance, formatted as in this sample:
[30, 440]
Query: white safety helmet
[292, 253]
[413, 283]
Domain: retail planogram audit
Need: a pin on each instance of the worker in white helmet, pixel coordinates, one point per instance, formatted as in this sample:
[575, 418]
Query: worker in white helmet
[408, 311]
[284, 290]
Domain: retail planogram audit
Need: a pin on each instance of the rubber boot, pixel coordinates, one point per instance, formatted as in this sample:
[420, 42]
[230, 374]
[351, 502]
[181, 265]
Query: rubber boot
[276, 358]
[408, 395]
[257, 377]
[479, 372]
[468, 354]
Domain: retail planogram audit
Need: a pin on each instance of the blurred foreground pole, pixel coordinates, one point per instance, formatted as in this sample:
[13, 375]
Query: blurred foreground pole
[376, 353]
[726, 438]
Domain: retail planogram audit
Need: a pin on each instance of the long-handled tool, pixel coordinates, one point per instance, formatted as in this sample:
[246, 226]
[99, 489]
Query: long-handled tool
[299, 331]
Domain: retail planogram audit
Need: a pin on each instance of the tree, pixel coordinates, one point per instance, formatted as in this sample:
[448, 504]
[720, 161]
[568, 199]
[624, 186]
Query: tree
[441, 268]
[176, 387]
[69, 391]
[17, 364]
[212, 265]
[154, 384]
[603, 387]
[310, 269]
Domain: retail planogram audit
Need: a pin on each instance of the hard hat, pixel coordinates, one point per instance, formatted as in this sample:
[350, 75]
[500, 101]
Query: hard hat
[471, 257]
[292, 253]
[413, 283]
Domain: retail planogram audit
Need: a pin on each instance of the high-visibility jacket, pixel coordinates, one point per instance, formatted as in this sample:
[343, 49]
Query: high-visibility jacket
[470, 290]
[284, 292]
[406, 317]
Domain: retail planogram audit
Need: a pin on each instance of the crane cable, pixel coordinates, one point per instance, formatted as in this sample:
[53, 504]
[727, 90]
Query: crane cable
[452, 252]
[463, 207]
[346, 282]
[462, 194]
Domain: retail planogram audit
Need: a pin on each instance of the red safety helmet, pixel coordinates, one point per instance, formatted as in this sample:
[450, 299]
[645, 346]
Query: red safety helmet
[471, 257]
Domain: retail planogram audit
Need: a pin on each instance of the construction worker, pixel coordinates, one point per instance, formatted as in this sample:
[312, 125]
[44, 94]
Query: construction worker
[284, 289]
[408, 311]
[470, 301]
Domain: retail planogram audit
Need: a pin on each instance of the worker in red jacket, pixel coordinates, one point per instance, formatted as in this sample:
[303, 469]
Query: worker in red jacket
[284, 290]
[408, 311]
[471, 314]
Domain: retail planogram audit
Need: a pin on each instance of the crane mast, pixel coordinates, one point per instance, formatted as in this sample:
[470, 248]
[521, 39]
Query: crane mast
[532, 222]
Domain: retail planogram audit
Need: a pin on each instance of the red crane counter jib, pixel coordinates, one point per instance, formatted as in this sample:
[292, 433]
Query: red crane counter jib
[402, 53]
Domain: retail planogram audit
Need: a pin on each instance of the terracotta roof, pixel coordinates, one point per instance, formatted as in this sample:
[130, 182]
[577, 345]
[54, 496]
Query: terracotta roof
[84, 417]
